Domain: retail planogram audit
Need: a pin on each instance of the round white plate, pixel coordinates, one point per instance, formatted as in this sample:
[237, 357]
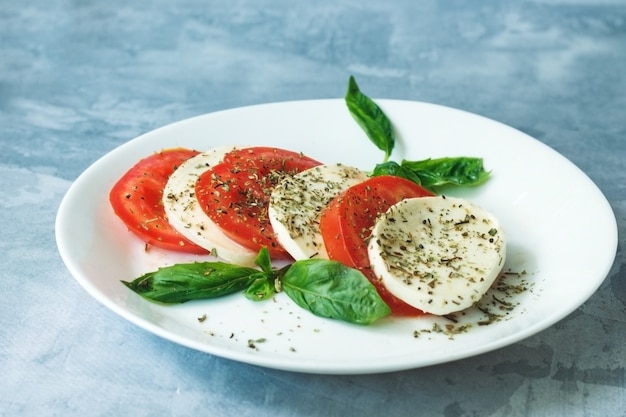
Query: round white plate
[562, 240]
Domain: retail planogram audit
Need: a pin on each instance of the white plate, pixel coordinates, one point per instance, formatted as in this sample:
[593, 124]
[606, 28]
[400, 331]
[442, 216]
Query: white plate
[561, 231]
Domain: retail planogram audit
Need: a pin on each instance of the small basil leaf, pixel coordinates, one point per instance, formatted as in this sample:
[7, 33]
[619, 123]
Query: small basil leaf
[264, 261]
[261, 288]
[463, 171]
[393, 168]
[371, 118]
[332, 290]
[200, 280]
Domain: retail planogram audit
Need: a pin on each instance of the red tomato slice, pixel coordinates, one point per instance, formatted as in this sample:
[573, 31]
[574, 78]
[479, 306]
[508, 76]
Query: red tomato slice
[347, 222]
[270, 159]
[136, 200]
[235, 193]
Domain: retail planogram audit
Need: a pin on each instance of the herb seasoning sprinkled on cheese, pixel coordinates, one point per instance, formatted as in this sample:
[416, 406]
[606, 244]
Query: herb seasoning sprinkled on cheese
[297, 202]
[437, 254]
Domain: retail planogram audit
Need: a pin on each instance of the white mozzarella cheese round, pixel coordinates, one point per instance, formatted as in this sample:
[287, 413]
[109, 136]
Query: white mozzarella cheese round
[187, 217]
[297, 202]
[438, 254]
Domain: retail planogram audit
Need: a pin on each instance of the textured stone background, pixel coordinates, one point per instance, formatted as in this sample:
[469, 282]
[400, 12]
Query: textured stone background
[78, 79]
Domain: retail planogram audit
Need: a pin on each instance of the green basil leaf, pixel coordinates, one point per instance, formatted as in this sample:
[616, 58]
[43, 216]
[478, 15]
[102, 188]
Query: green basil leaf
[371, 118]
[184, 282]
[261, 289]
[431, 173]
[463, 171]
[264, 261]
[332, 290]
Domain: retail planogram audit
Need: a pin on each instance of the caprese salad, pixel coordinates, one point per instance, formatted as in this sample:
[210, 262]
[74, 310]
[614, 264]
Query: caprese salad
[356, 245]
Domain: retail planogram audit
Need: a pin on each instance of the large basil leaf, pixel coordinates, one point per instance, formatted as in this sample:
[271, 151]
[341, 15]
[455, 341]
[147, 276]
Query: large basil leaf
[331, 289]
[184, 282]
[371, 118]
[431, 173]
[464, 171]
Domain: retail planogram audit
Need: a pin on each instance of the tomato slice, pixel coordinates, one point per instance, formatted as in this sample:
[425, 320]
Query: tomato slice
[235, 193]
[136, 200]
[268, 159]
[347, 222]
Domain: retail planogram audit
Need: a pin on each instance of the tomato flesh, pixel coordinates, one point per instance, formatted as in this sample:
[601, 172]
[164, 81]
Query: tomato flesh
[269, 159]
[347, 222]
[235, 193]
[136, 199]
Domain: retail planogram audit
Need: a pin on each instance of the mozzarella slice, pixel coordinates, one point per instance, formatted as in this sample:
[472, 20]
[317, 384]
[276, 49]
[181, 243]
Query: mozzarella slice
[438, 254]
[187, 217]
[296, 205]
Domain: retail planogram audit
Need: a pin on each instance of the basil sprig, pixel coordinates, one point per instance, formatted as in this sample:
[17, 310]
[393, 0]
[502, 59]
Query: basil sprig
[429, 173]
[325, 288]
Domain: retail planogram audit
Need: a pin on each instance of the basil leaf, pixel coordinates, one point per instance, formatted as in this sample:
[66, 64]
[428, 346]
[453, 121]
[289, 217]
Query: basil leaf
[431, 173]
[200, 280]
[464, 171]
[264, 261]
[393, 168]
[371, 118]
[261, 289]
[264, 286]
[332, 290]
